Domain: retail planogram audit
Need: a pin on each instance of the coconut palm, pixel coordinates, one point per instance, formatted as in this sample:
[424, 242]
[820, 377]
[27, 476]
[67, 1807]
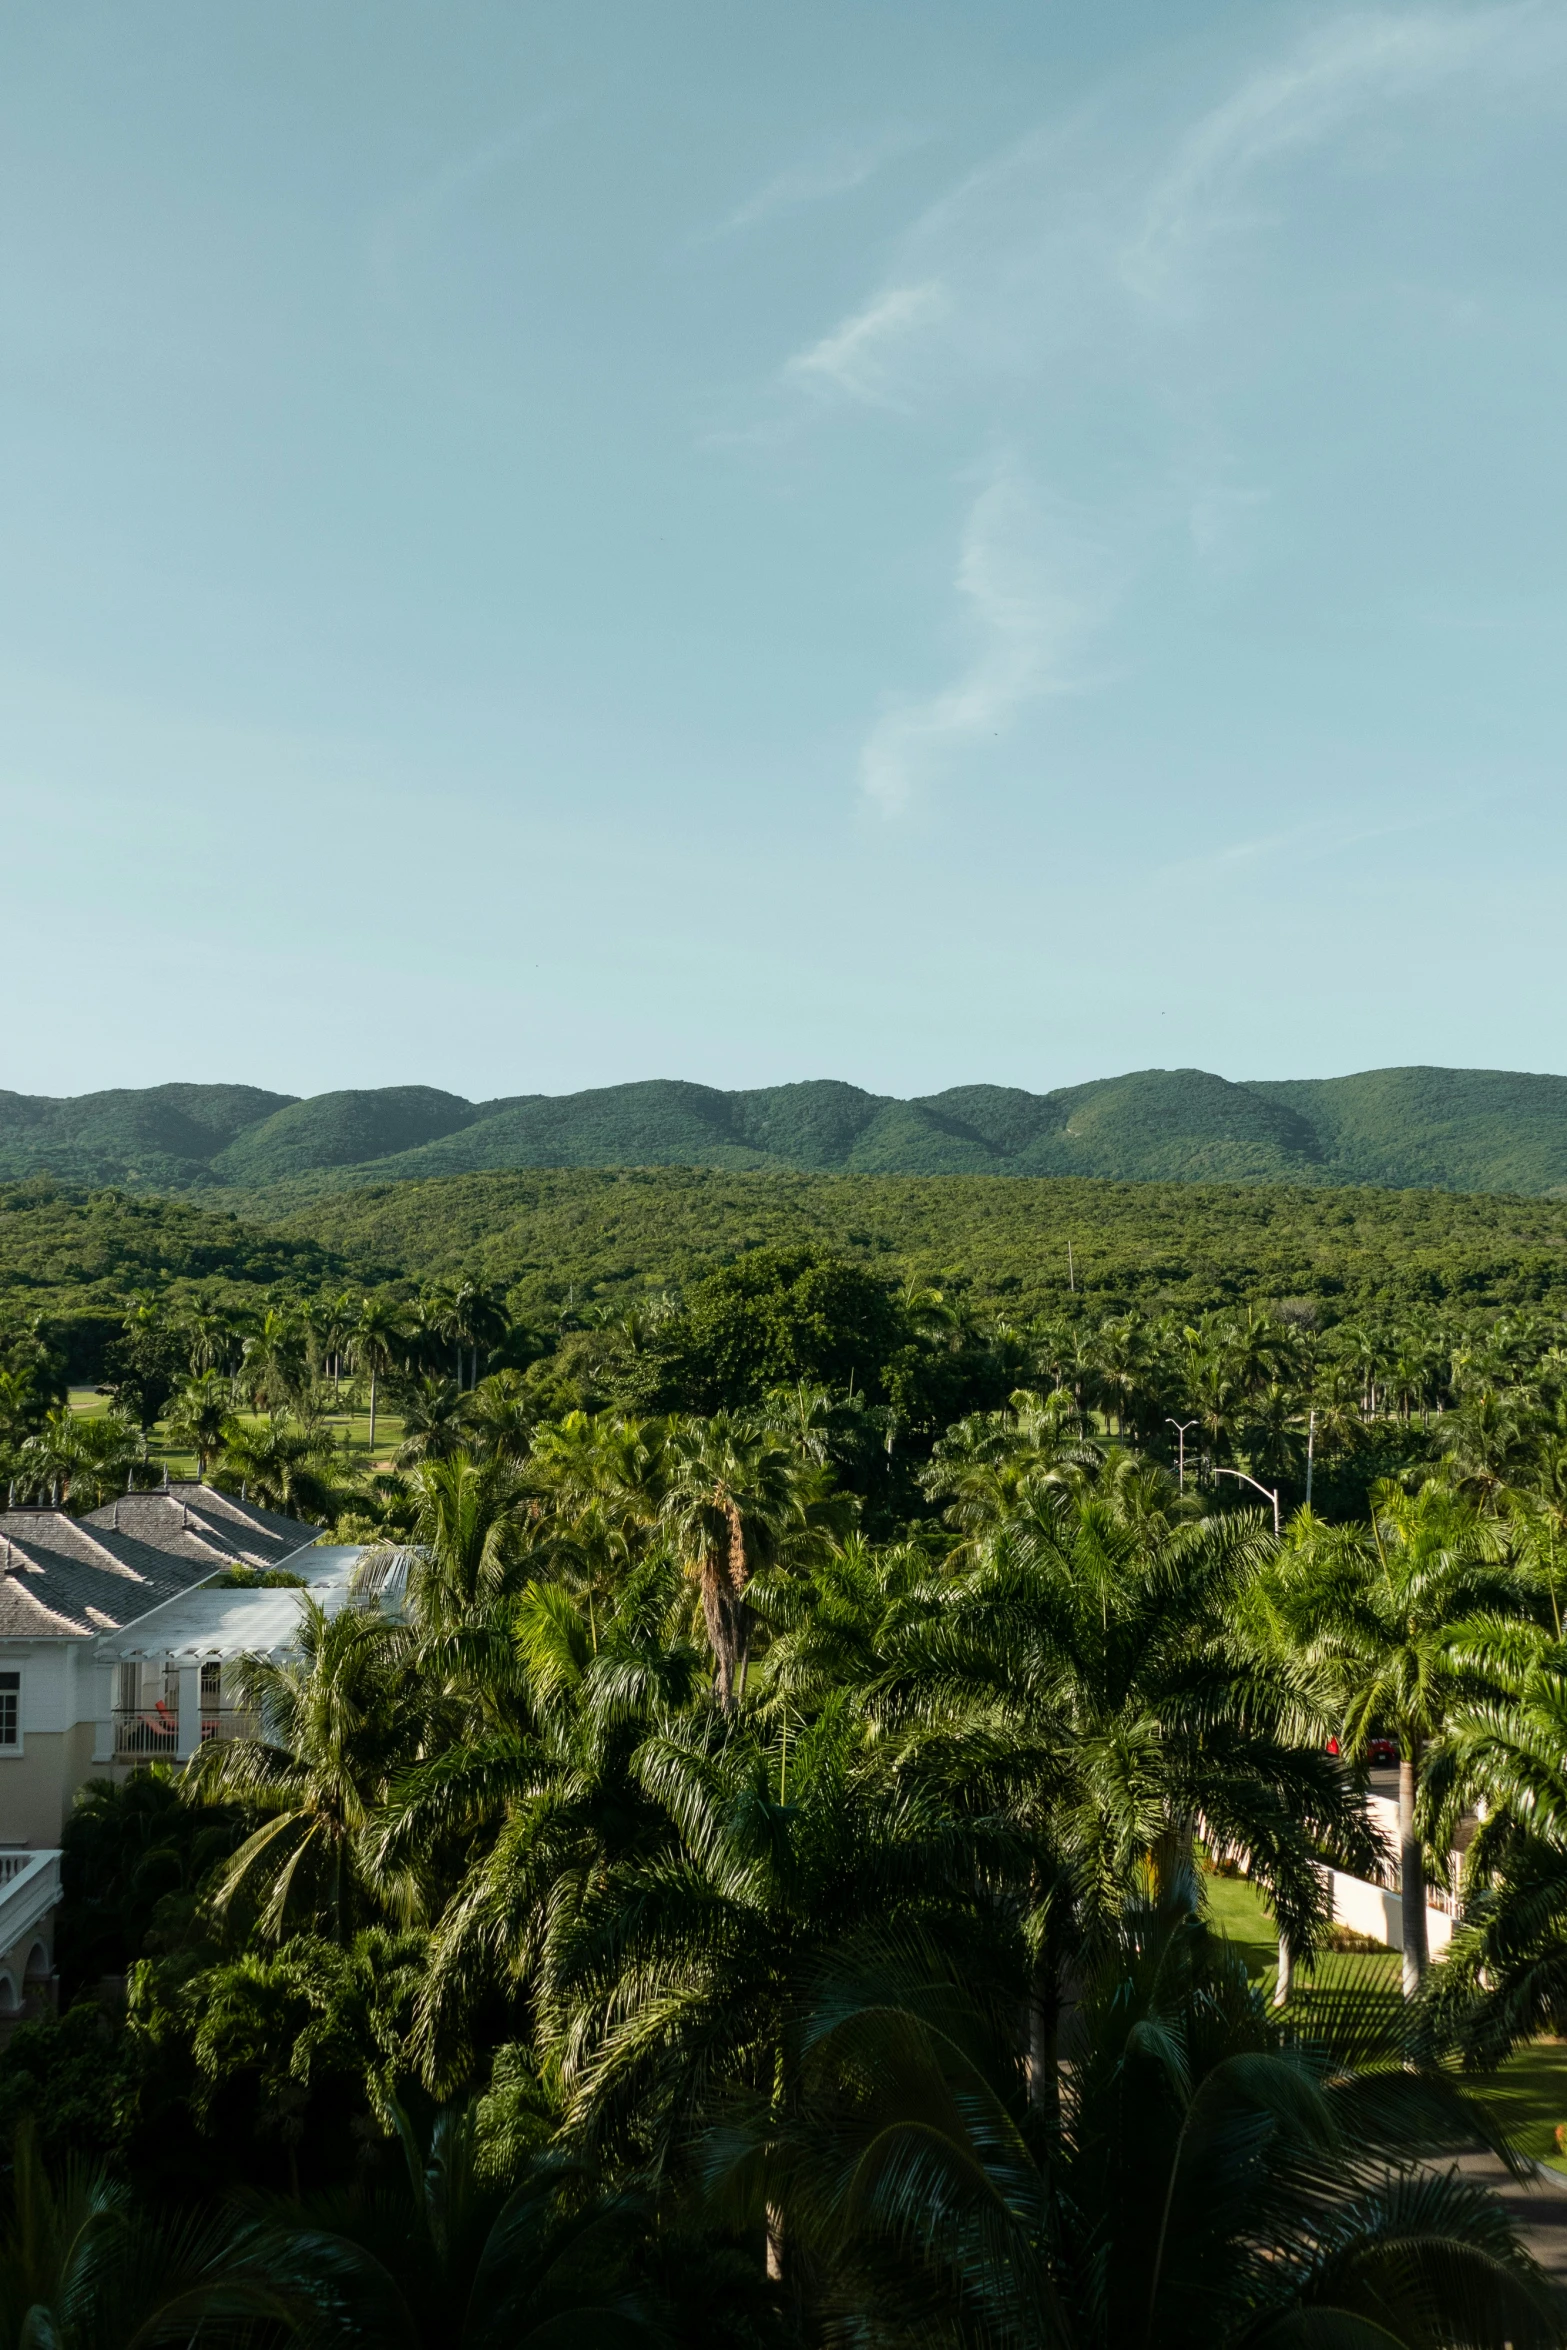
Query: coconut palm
[434, 1421]
[501, 1417]
[283, 1464]
[983, 1467]
[1103, 1649]
[683, 1974]
[83, 2268]
[380, 1341]
[1378, 1608]
[199, 1416]
[335, 1719]
[483, 2244]
[737, 1498]
[275, 1370]
[1504, 1759]
[469, 1527]
[1218, 2179]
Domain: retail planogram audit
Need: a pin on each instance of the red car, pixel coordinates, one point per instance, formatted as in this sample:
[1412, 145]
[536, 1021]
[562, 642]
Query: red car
[1381, 1753]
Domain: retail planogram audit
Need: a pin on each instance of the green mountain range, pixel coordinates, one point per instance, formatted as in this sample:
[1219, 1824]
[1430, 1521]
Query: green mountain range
[1445, 1129]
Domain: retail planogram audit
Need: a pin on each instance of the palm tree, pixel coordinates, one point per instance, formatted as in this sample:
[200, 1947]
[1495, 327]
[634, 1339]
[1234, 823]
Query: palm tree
[78, 1459]
[501, 1417]
[484, 2244]
[1100, 1654]
[985, 1465]
[82, 2268]
[275, 1368]
[477, 1320]
[282, 1465]
[1505, 1758]
[737, 1497]
[380, 1343]
[1378, 1609]
[1219, 2179]
[600, 1480]
[435, 1422]
[469, 1529]
[334, 1720]
[681, 1975]
[199, 1417]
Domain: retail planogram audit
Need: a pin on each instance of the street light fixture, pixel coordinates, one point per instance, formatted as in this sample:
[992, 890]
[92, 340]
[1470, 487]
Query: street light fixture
[1269, 1490]
[1180, 1427]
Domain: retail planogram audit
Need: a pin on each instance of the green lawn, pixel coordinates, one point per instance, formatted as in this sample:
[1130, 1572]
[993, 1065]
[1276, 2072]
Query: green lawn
[1529, 2094]
[355, 1425]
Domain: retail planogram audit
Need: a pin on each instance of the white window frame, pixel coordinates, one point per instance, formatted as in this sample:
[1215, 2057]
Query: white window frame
[16, 1666]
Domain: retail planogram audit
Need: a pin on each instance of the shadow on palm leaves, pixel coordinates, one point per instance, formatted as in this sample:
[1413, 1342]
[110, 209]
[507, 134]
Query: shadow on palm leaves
[489, 2238]
[1217, 2174]
[82, 2267]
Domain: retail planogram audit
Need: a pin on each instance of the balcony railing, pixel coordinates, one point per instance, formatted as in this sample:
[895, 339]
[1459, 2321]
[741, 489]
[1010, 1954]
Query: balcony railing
[149, 1733]
[145, 1732]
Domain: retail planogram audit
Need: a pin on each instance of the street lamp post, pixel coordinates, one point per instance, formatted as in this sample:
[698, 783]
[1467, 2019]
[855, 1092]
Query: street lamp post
[1269, 1490]
[1180, 1427]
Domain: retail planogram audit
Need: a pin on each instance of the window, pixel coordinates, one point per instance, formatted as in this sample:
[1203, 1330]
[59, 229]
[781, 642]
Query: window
[10, 1711]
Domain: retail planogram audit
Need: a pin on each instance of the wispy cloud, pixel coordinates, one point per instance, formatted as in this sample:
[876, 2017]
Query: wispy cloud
[1071, 299]
[1320, 88]
[407, 222]
[857, 357]
[835, 170]
[1075, 236]
[1033, 594]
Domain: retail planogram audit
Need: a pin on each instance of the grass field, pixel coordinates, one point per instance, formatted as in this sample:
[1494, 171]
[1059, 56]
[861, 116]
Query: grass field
[352, 1426]
[1528, 2095]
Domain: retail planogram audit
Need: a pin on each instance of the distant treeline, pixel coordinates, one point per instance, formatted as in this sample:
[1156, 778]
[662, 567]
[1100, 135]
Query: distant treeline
[1025, 1246]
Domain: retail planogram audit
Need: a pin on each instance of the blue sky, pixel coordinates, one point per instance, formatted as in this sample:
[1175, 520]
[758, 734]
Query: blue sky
[905, 542]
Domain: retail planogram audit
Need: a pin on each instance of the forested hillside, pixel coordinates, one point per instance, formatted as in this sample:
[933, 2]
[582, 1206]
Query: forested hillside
[1449, 1129]
[573, 1237]
[617, 1233]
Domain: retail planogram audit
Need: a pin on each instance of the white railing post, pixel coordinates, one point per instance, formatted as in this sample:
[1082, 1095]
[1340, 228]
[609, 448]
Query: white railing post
[103, 1731]
[189, 1737]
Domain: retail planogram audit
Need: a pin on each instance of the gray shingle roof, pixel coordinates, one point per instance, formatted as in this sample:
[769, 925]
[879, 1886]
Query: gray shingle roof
[197, 1521]
[61, 1576]
[70, 1577]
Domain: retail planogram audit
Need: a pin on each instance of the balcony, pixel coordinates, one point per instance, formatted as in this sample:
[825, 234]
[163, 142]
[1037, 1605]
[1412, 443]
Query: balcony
[151, 1733]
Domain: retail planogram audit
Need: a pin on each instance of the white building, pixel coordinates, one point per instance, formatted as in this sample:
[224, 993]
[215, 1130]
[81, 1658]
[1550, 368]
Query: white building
[113, 1653]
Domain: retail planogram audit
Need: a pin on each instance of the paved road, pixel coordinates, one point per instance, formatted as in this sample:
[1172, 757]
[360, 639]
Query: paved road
[1539, 2209]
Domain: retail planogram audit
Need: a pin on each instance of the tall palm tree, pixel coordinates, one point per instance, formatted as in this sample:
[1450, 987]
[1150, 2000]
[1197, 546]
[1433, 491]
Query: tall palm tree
[380, 1343]
[1218, 2179]
[334, 1720]
[275, 1365]
[1378, 1608]
[1103, 1648]
[199, 1417]
[737, 1496]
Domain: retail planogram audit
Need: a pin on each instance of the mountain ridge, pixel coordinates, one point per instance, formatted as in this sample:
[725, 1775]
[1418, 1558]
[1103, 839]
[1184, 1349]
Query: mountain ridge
[1418, 1127]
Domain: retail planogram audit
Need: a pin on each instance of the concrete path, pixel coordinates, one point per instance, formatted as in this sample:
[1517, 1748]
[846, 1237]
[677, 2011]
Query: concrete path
[1538, 2209]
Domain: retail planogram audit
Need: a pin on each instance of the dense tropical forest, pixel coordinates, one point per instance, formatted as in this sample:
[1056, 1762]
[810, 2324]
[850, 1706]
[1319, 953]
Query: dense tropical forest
[759, 1888]
[1453, 1129]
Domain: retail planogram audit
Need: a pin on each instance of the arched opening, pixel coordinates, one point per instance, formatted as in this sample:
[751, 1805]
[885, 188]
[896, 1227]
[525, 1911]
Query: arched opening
[38, 1980]
[8, 1998]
